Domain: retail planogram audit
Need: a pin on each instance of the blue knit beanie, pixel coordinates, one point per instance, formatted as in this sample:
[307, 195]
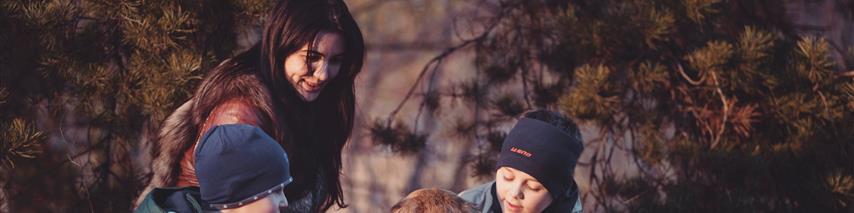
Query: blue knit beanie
[544, 152]
[238, 164]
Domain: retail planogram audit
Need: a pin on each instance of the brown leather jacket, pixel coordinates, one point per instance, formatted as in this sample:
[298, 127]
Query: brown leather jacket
[232, 111]
[225, 96]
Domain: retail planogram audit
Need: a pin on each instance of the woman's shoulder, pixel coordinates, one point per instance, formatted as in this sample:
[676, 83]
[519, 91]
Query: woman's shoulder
[230, 94]
[236, 110]
[232, 75]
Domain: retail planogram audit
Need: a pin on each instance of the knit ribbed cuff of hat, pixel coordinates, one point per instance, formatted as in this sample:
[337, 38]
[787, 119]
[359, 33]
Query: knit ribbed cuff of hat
[251, 199]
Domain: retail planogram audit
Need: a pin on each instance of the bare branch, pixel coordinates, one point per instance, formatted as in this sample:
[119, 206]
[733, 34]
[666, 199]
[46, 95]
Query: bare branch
[726, 104]
[846, 74]
[435, 61]
[688, 78]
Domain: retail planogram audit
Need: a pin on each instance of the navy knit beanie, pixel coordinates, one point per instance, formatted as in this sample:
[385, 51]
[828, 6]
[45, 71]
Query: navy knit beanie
[238, 164]
[544, 152]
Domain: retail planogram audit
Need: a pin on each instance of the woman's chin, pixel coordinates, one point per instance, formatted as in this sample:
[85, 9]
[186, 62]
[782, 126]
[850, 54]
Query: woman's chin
[309, 97]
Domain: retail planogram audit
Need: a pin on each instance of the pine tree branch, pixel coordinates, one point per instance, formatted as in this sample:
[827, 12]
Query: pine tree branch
[525, 87]
[688, 78]
[846, 74]
[725, 113]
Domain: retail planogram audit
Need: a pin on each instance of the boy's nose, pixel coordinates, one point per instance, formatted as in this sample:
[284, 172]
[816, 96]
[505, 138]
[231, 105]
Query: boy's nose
[284, 203]
[516, 192]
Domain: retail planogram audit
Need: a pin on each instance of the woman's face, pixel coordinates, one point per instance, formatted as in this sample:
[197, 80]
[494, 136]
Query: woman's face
[519, 192]
[309, 71]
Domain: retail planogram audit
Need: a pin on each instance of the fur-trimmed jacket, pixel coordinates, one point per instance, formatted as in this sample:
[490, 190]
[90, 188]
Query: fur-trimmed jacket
[229, 94]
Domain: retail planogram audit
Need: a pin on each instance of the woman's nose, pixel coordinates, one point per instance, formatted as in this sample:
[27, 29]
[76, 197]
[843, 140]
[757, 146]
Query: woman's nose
[322, 71]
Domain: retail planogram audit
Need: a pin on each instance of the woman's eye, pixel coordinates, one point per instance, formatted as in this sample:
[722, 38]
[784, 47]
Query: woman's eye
[312, 57]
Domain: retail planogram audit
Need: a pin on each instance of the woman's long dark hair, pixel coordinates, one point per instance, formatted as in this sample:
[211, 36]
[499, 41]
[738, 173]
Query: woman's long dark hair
[313, 133]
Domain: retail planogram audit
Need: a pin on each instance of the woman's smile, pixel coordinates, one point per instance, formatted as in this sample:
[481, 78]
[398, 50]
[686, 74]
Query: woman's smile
[309, 87]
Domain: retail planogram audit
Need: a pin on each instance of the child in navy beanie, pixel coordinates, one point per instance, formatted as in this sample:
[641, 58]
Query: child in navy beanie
[534, 171]
[240, 169]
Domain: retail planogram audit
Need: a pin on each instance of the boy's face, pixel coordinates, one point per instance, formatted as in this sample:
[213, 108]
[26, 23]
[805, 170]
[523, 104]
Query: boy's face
[519, 192]
[273, 203]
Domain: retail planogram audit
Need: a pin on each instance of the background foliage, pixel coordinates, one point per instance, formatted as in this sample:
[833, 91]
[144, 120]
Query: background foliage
[115, 67]
[723, 105]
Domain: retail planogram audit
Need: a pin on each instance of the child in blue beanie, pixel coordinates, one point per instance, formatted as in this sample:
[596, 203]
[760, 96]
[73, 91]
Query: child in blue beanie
[240, 169]
[534, 169]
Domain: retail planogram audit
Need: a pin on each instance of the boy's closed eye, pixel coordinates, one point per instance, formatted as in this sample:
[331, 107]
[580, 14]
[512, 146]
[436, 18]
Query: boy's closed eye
[508, 175]
[535, 186]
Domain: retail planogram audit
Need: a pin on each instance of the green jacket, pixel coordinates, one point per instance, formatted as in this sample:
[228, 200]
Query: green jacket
[172, 199]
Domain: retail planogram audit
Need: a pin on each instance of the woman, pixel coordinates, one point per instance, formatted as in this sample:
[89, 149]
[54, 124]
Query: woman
[296, 85]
